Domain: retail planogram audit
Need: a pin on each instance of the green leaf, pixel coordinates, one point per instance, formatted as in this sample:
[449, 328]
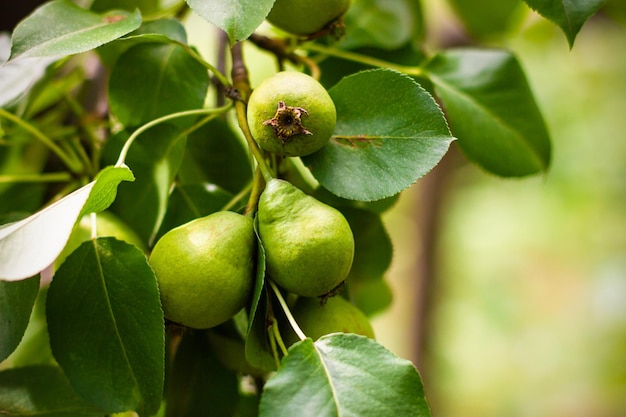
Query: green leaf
[216, 154]
[238, 18]
[155, 157]
[34, 349]
[381, 24]
[257, 347]
[32, 244]
[372, 257]
[492, 111]
[188, 202]
[16, 304]
[41, 390]
[569, 15]
[146, 6]
[162, 31]
[343, 375]
[389, 133]
[198, 384]
[60, 28]
[106, 326]
[484, 18]
[105, 188]
[163, 79]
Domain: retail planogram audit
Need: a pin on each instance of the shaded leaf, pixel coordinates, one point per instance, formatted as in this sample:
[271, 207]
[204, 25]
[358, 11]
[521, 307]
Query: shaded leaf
[146, 6]
[569, 15]
[372, 257]
[163, 79]
[484, 18]
[343, 375]
[198, 384]
[492, 111]
[60, 28]
[41, 390]
[32, 244]
[216, 154]
[106, 326]
[188, 202]
[16, 304]
[238, 18]
[382, 24]
[162, 30]
[34, 349]
[257, 348]
[155, 157]
[389, 133]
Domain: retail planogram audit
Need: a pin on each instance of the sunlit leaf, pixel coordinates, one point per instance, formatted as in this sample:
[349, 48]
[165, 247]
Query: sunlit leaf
[32, 244]
[60, 28]
[238, 18]
[343, 375]
[389, 133]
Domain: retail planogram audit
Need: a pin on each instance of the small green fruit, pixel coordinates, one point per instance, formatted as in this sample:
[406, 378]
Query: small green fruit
[309, 245]
[336, 315]
[305, 17]
[291, 114]
[205, 269]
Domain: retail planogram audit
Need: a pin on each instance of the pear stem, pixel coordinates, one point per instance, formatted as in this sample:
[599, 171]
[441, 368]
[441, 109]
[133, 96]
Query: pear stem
[258, 184]
[278, 337]
[290, 318]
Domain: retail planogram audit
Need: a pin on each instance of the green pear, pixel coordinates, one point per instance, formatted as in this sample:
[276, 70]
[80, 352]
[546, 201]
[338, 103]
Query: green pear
[205, 269]
[337, 314]
[309, 246]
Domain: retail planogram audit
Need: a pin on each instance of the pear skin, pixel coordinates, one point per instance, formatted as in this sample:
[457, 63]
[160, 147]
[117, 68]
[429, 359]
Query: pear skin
[205, 269]
[309, 245]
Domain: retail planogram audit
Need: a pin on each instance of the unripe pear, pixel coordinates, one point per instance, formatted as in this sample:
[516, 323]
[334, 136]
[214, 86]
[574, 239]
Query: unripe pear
[309, 245]
[291, 114]
[205, 269]
[336, 314]
[305, 17]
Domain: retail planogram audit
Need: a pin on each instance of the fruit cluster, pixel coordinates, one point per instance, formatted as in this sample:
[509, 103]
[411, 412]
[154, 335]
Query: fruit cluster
[206, 268]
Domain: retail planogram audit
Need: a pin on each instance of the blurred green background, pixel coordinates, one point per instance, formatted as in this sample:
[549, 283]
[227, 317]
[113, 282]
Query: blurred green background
[528, 312]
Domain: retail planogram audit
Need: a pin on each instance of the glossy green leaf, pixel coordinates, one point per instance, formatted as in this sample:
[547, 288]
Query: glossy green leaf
[60, 28]
[373, 252]
[106, 326]
[198, 384]
[32, 244]
[343, 375]
[163, 79]
[569, 15]
[484, 18]
[188, 202]
[41, 390]
[492, 111]
[389, 133]
[16, 304]
[238, 18]
[154, 157]
[216, 154]
[382, 24]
